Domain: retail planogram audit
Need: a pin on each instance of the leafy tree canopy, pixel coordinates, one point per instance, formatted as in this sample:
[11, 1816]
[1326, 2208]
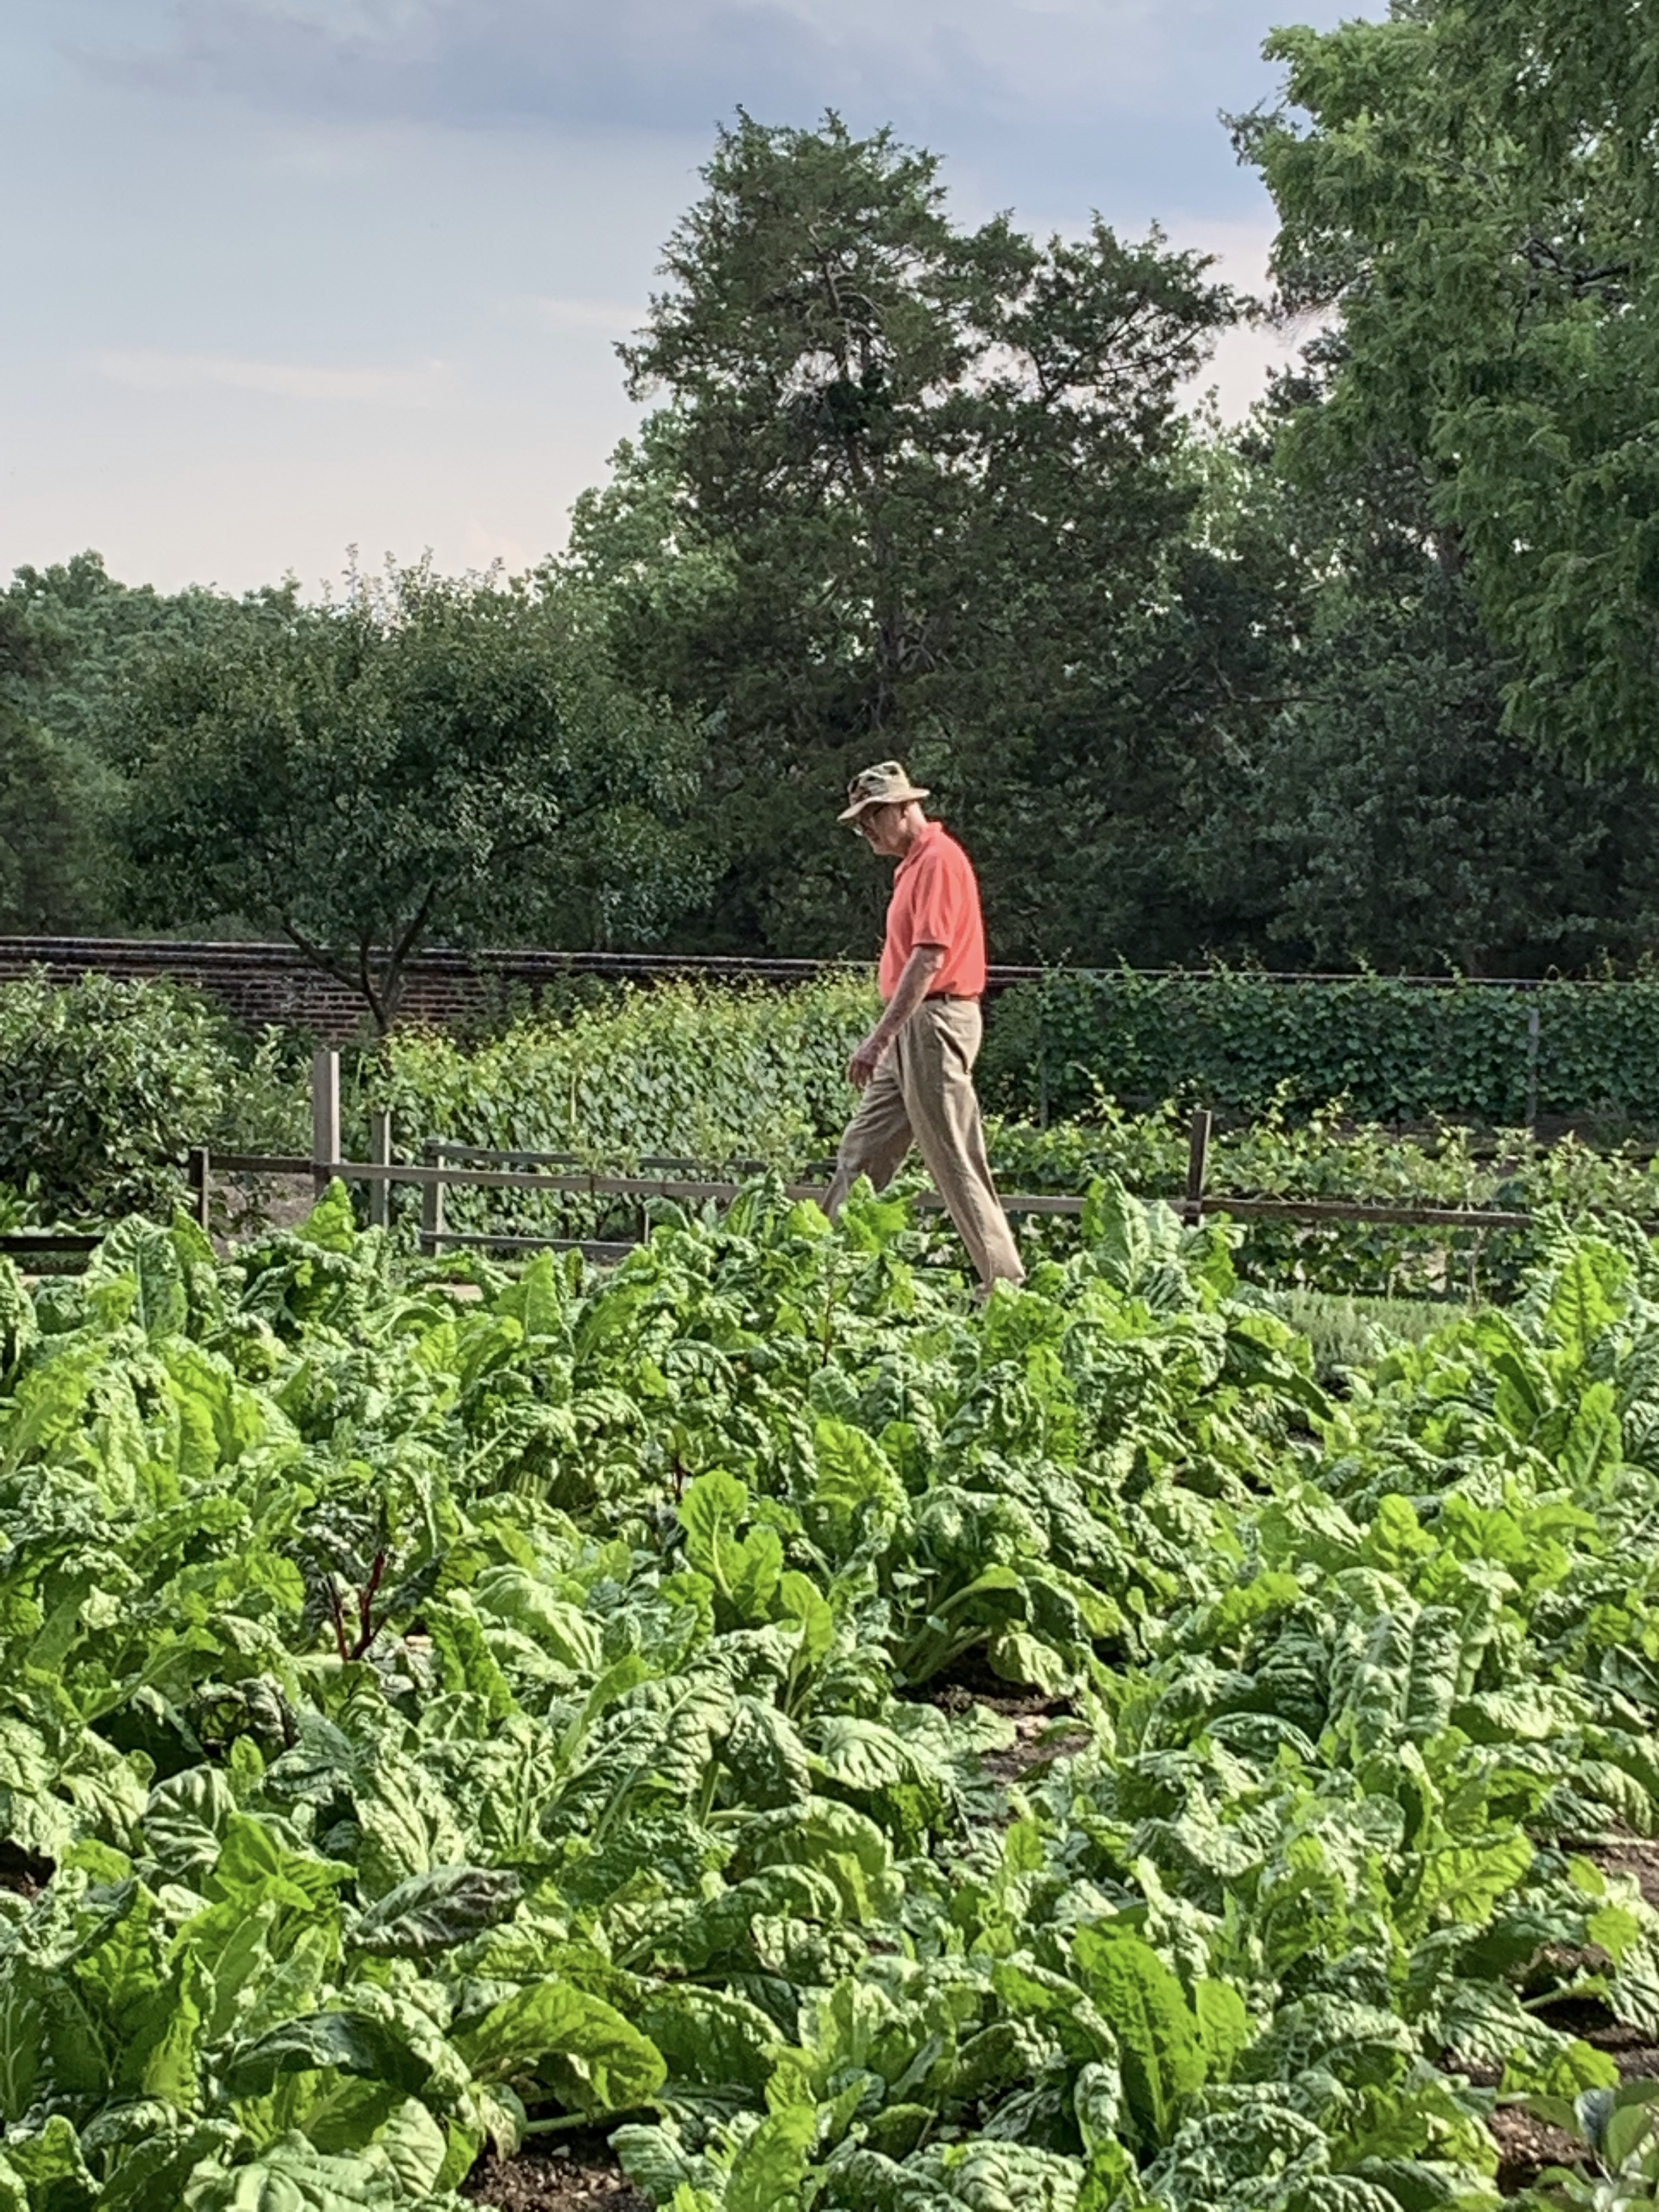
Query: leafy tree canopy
[73, 641]
[1471, 183]
[430, 758]
[912, 487]
[48, 862]
[1383, 813]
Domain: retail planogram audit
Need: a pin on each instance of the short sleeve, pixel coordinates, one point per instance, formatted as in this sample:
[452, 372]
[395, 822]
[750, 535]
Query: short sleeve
[936, 902]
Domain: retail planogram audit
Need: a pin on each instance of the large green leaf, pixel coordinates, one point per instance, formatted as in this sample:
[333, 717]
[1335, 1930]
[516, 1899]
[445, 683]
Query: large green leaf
[434, 1911]
[288, 2176]
[1463, 1882]
[769, 2172]
[603, 2063]
[1163, 2057]
[376, 2049]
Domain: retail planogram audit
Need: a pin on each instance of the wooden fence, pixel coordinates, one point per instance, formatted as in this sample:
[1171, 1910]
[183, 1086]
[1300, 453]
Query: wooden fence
[448, 1165]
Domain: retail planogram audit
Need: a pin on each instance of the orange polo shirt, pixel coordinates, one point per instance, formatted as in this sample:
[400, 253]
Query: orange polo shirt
[936, 902]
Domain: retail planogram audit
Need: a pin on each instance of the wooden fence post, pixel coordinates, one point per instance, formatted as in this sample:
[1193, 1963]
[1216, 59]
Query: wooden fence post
[1198, 1161]
[379, 1153]
[324, 1118]
[432, 1201]
[198, 1171]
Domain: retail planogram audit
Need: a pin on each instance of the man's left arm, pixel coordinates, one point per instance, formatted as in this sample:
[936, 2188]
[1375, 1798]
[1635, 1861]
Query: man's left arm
[913, 985]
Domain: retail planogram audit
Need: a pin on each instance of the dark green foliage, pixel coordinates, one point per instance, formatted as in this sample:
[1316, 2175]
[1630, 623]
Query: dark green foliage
[73, 643]
[53, 870]
[104, 634]
[1373, 683]
[1471, 183]
[923, 490]
[106, 1084]
[1330, 693]
[411, 764]
[1392, 1050]
[1383, 817]
[914, 488]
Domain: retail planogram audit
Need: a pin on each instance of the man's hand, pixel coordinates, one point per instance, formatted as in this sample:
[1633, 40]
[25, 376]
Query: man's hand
[867, 1060]
[919, 969]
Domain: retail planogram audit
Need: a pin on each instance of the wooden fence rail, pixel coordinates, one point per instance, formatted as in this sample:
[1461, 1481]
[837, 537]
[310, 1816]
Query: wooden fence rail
[450, 1164]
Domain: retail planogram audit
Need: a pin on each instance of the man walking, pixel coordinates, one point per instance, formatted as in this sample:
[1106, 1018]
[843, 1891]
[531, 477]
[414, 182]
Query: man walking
[916, 1067]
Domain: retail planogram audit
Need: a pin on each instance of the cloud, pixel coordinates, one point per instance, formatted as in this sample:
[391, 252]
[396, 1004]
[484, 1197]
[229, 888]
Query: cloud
[154, 371]
[660, 63]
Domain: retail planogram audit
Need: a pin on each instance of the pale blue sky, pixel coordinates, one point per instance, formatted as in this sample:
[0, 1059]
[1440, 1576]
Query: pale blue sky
[285, 275]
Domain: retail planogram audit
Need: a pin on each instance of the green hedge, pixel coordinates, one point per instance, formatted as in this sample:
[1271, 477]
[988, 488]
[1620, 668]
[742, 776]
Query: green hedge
[1392, 1050]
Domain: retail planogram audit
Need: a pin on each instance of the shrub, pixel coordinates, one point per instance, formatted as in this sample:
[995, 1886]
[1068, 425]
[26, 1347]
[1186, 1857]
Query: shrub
[105, 1084]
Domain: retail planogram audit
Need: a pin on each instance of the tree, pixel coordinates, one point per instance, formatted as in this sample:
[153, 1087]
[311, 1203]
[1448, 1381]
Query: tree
[1383, 814]
[51, 794]
[102, 633]
[1473, 191]
[429, 759]
[912, 489]
[73, 641]
[1103, 774]
[1398, 824]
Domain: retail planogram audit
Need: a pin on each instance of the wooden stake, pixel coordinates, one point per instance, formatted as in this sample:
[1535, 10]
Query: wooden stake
[324, 1118]
[432, 1199]
[198, 1171]
[1532, 1026]
[1198, 1161]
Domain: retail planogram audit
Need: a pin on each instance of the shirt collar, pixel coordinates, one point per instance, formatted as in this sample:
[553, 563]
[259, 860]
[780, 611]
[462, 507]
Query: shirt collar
[930, 831]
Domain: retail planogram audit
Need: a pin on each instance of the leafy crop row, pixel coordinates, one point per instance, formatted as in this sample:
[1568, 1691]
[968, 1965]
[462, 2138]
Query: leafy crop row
[712, 1075]
[745, 1077]
[1327, 1157]
[425, 1723]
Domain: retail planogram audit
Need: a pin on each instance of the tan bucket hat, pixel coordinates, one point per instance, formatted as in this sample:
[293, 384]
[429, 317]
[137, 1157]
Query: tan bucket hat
[886, 784]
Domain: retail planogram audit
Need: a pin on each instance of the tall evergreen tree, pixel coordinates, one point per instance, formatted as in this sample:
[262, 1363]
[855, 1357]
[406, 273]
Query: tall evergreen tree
[921, 489]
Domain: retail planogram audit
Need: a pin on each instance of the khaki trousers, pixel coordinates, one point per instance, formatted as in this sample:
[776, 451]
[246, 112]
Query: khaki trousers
[923, 1093]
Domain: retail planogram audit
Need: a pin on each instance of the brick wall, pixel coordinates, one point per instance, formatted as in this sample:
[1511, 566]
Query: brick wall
[261, 983]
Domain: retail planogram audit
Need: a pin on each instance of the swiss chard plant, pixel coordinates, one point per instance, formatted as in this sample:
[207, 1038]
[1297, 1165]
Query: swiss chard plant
[430, 1723]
